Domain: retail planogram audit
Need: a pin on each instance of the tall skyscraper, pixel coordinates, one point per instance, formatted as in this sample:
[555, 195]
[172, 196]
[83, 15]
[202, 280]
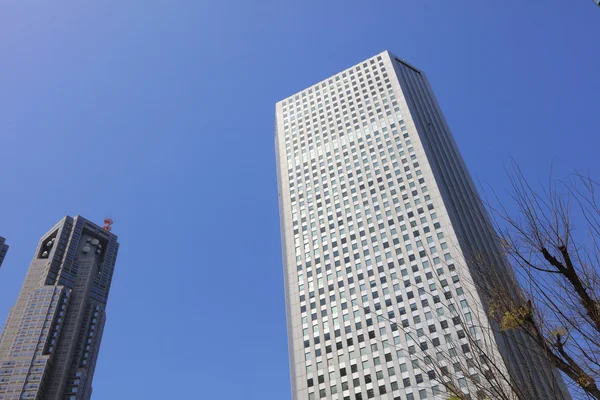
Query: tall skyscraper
[380, 224]
[3, 249]
[50, 342]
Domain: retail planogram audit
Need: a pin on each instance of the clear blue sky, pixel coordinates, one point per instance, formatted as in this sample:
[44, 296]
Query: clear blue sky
[160, 114]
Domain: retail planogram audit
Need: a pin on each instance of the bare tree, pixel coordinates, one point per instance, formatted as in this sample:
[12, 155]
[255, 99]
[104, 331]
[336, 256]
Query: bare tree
[467, 364]
[464, 361]
[552, 242]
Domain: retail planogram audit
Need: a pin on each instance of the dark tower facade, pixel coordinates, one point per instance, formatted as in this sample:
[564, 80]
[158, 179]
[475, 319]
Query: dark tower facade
[50, 342]
[3, 250]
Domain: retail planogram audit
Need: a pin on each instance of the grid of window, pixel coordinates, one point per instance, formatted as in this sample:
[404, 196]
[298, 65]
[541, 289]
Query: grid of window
[50, 344]
[376, 283]
[45, 309]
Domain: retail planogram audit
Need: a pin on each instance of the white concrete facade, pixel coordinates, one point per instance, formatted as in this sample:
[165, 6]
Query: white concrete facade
[378, 215]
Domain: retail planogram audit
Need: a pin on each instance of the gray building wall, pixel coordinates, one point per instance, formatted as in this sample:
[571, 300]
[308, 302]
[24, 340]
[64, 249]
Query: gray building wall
[485, 259]
[50, 342]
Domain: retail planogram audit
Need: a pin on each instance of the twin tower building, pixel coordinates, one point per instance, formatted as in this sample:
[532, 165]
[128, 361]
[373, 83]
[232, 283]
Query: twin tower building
[50, 341]
[379, 220]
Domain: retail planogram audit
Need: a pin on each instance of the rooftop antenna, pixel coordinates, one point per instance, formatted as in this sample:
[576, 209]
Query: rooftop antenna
[107, 223]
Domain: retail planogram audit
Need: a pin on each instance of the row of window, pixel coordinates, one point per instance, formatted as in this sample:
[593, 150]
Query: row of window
[368, 244]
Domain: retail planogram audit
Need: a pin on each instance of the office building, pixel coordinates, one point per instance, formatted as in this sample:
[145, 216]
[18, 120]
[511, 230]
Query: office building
[380, 223]
[50, 342]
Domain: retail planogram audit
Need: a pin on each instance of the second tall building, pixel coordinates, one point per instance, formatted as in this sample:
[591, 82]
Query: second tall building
[380, 225]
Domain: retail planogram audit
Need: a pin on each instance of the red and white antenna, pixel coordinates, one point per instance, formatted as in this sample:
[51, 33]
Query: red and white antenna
[107, 223]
